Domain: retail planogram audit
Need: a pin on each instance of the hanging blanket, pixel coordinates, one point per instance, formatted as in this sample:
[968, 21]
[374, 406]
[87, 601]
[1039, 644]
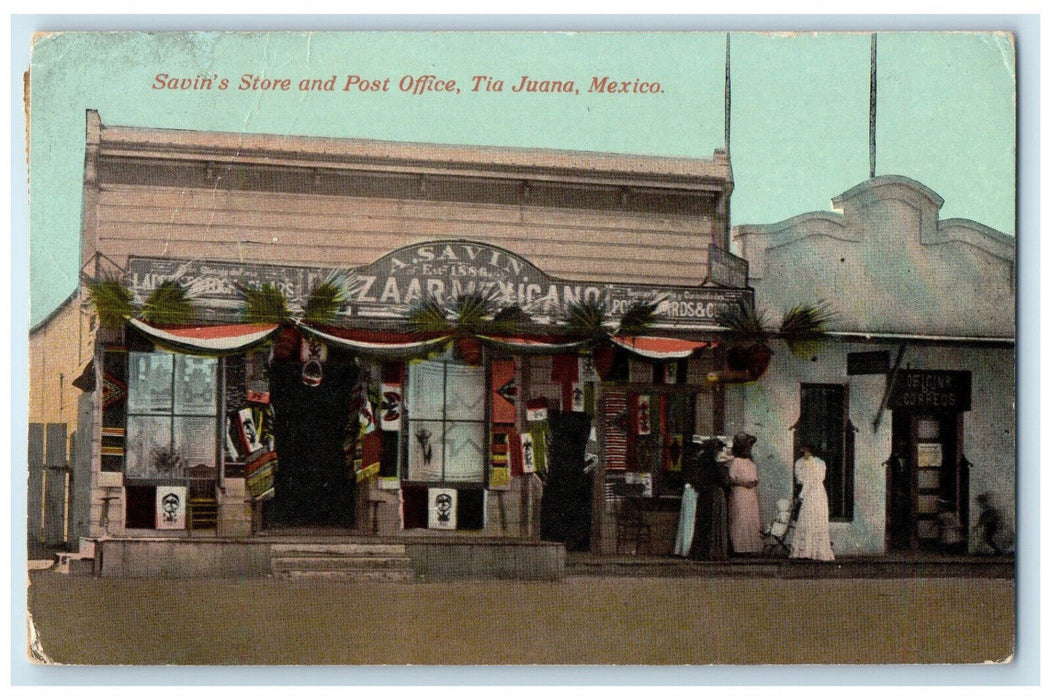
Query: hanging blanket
[259, 475]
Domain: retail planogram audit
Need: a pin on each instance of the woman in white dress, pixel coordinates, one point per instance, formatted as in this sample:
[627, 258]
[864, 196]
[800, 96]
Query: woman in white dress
[812, 540]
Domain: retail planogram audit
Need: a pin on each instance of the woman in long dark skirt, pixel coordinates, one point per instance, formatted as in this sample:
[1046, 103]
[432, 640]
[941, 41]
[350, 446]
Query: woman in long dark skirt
[711, 479]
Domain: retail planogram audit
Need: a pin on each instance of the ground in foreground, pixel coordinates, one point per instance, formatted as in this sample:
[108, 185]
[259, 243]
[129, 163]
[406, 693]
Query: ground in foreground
[582, 620]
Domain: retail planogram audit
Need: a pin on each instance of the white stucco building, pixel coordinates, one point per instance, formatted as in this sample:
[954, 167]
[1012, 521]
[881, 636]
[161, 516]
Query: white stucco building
[913, 404]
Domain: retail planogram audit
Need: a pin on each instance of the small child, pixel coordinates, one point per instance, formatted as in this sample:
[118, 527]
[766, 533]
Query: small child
[990, 523]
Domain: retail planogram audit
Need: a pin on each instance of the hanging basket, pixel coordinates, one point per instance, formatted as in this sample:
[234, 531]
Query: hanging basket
[604, 357]
[752, 360]
[286, 344]
[470, 350]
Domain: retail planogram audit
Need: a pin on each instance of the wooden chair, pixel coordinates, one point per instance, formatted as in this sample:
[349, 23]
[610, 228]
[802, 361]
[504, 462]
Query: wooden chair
[633, 526]
[203, 514]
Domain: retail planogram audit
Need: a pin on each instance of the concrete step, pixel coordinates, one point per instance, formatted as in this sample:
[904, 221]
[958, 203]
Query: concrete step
[332, 563]
[347, 549]
[347, 561]
[350, 576]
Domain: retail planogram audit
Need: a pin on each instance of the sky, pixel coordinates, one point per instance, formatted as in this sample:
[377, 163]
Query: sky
[799, 119]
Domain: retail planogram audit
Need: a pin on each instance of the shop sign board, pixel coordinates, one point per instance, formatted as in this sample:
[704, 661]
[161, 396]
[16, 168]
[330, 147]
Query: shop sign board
[214, 284]
[443, 269]
[877, 362]
[725, 268]
[931, 390]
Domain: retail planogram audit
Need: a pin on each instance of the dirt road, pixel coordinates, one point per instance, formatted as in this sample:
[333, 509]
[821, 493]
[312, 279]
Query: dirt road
[83, 620]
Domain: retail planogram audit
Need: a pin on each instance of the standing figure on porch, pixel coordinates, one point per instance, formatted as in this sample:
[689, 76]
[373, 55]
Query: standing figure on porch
[691, 464]
[812, 540]
[711, 536]
[745, 528]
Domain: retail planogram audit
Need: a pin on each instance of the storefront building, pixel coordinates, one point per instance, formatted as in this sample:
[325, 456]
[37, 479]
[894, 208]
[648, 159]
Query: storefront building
[514, 426]
[912, 404]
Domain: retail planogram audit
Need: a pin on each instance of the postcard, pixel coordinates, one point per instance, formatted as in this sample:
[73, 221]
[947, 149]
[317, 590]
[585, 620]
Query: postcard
[516, 348]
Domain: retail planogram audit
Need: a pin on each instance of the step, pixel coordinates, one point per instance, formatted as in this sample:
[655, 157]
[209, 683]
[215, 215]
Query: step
[338, 563]
[352, 576]
[348, 549]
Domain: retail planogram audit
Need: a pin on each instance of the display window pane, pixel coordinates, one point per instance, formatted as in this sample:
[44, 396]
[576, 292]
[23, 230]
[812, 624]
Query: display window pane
[464, 451]
[148, 453]
[447, 422]
[927, 429]
[426, 390]
[426, 454]
[172, 409]
[927, 503]
[150, 382]
[194, 441]
[195, 385]
[464, 393]
[928, 478]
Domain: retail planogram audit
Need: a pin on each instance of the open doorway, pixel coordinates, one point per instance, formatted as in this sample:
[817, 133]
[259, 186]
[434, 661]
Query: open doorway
[313, 485]
[928, 477]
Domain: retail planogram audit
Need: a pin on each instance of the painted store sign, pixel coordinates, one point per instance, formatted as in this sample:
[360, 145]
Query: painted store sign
[931, 390]
[444, 269]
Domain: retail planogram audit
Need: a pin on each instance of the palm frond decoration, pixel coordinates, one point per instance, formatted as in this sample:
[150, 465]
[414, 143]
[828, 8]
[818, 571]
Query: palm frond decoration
[111, 298]
[465, 317]
[263, 304]
[510, 319]
[745, 323]
[471, 312]
[638, 317]
[587, 319]
[804, 327]
[428, 315]
[326, 299]
[169, 303]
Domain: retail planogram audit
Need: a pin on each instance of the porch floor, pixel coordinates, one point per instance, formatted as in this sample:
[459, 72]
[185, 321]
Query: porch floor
[894, 565]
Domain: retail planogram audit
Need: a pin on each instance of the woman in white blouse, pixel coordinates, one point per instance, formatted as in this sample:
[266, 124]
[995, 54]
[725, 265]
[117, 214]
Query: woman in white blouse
[812, 540]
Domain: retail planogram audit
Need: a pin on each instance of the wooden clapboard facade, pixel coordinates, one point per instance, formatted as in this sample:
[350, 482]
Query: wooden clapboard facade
[547, 227]
[306, 201]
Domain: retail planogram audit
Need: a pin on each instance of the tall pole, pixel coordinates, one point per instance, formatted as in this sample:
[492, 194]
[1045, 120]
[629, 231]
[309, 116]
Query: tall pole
[726, 97]
[872, 109]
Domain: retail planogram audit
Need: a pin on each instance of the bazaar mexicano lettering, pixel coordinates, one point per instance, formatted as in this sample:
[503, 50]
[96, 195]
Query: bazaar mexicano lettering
[443, 269]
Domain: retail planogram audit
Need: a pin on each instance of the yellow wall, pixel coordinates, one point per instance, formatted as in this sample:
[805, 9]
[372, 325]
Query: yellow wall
[58, 349]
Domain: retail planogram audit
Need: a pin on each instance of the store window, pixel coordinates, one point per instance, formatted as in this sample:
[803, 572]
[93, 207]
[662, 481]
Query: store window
[447, 423]
[172, 407]
[824, 422]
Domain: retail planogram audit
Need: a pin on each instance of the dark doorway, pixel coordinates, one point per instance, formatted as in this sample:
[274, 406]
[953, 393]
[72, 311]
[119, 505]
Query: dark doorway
[565, 508]
[899, 501]
[313, 484]
[927, 478]
[824, 423]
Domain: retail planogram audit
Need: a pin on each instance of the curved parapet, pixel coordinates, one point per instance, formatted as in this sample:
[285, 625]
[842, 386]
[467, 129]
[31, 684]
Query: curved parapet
[888, 263]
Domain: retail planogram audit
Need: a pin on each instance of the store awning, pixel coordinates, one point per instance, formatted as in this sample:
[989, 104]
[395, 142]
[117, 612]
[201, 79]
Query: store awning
[393, 345]
[657, 348]
[521, 345]
[207, 340]
[390, 346]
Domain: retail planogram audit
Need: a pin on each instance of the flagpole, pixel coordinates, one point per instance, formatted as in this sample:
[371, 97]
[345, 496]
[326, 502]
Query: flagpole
[726, 97]
[872, 109]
